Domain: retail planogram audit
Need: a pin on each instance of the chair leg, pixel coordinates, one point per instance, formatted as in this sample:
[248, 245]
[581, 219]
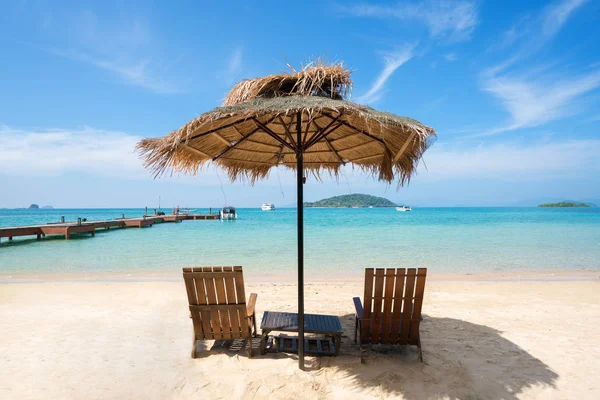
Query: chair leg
[420, 349]
[194, 346]
[355, 327]
[250, 343]
[254, 322]
[362, 358]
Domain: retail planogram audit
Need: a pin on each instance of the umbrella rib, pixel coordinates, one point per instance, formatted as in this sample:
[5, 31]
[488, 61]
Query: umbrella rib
[330, 146]
[247, 161]
[286, 162]
[280, 155]
[364, 133]
[195, 150]
[222, 139]
[287, 131]
[404, 146]
[334, 151]
[229, 125]
[319, 135]
[358, 146]
[366, 158]
[234, 145]
[269, 132]
[358, 130]
[323, 135]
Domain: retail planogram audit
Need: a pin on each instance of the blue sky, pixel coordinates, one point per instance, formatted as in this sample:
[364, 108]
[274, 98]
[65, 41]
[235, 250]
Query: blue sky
[512, 89]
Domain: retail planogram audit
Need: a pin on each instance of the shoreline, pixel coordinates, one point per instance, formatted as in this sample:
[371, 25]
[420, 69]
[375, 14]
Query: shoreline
[578, 275]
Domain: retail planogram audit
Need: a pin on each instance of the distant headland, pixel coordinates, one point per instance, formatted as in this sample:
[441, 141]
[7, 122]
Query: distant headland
[351, 200]
[565, 204]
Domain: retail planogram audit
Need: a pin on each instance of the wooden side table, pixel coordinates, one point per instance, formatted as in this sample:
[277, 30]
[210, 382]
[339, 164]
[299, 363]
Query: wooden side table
[328, 326]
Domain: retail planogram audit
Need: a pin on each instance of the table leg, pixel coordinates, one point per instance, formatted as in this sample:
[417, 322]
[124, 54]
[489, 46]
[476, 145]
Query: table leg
[263, 341]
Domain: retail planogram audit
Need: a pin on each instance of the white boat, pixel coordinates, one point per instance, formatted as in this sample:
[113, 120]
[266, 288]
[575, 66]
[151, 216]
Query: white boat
[268, 207]
[403, 208]
[228, 213]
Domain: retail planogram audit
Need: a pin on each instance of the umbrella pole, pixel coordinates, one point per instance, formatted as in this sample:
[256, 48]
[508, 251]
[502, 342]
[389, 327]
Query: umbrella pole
[300, 209]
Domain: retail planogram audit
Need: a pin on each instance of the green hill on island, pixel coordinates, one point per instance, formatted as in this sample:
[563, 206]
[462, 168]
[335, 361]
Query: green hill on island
[352, 200]
[565, 204]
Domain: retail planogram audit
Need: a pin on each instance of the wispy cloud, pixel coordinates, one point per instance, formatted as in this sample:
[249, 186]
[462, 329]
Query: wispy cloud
[233, 66]
[556, 15]
[235, 61]
[451, 57]
[534, 102]
[536, 95]
[450, 20]
[52, 152]
[530, 33]
[124, 48]
[136, 72]
[392, 61]
[520, 161]
[97, 152]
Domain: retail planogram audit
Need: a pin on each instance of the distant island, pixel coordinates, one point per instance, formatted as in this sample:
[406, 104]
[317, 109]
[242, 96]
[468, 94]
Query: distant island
[36, 207]
[565, 204]
[351, 200]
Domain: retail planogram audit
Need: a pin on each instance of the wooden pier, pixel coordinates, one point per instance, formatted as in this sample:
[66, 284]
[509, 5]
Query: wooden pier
[68, 228]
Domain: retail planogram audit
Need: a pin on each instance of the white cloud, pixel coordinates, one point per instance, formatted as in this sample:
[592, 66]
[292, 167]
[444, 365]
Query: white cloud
[446, 19]
[556, 15]
[235, 61]
[233, 67]
[136, 73]
[536, 95]
[451, 57]
[535, 101]
[530, 33]
[125, 48]
[56, 152]
[53, 152]
[513, 161]
[392, 61]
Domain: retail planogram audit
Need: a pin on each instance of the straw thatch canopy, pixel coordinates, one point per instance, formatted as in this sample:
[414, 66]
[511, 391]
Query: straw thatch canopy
[257, 129]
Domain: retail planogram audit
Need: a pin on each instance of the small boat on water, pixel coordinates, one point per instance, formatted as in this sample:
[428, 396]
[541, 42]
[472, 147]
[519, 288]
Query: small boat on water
[228, 213]
[403, 208]
[268, 206]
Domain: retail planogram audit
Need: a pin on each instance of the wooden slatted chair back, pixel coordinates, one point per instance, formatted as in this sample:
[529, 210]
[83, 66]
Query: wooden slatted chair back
[393, 300]
[217, 302]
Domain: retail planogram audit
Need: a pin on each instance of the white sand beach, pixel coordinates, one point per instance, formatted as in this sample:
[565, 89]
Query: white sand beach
[487, 339]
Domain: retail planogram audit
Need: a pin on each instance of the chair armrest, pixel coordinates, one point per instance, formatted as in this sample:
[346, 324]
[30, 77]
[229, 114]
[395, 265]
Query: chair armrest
[251, 304]
[358, 306]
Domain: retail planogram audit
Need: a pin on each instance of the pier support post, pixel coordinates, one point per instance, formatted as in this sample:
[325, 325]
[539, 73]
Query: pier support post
[10, 238]
[93, 233]
[39, 236]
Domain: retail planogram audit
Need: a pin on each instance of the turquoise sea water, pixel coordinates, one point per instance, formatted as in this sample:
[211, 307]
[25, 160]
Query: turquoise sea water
[446, 240]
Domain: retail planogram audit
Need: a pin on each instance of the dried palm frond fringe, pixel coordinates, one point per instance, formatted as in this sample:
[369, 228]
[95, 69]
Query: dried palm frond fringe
[314, 79]
[383, 144]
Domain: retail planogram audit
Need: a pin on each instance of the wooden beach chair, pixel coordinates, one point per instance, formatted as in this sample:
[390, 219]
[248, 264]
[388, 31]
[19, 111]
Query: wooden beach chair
[218, 305]
[392, 309]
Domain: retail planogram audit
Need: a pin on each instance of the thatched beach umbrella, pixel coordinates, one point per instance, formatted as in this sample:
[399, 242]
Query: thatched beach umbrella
[296, 120]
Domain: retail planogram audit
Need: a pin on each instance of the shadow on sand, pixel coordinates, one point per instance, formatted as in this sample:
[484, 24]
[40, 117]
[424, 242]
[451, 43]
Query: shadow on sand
[462, 360]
